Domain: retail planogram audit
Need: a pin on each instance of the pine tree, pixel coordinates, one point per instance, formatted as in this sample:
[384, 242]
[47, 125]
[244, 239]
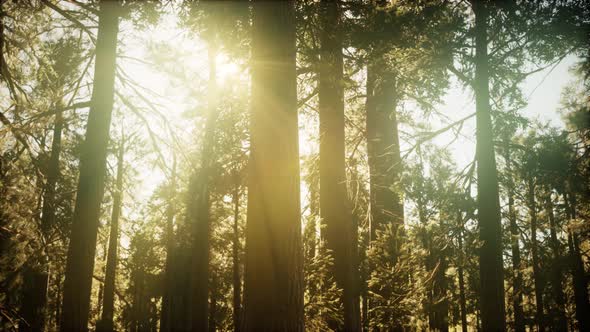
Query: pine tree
[80, 263]
[273, 280]
[334, 206]
[106, 321]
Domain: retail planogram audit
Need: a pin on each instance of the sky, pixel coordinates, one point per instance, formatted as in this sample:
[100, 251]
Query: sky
[186, 55]
[544, 94]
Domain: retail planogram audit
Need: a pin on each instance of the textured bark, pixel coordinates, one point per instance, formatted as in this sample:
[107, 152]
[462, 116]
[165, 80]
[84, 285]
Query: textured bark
[108, 303]
[48, 210]
[335, 209]
[169, 280]
[383, 148]
[517, 290]
[559, 320]
[488, 202]
[532, 205]
[578, 273]
[273, 281]
[82, 247]
[383, 156]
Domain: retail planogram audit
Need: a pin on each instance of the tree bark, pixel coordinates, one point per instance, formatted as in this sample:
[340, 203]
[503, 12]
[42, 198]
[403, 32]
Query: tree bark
[82, 247]
[108, 303]
[577, 270]
[440, 304]
[384, 159]
[462, 297]
[383, 148]
[335, 209]
[517, 283]
[488, 203]
[558, 317]
[532, 205]
[273, 288]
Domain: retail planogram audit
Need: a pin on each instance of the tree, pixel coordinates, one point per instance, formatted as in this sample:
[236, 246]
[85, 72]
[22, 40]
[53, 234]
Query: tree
[517, 282]
[488, 202]
[334, 206]
[273, 280]
[106, 321]
[80, 262]
[198, 210]
[168, 291]
[529, 170]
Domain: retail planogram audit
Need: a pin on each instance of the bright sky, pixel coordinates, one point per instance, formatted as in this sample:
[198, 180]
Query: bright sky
[543, 88]
[186, 57]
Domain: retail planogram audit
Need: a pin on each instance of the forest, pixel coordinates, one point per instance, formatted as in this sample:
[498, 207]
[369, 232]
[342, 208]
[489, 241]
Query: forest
[282, 165]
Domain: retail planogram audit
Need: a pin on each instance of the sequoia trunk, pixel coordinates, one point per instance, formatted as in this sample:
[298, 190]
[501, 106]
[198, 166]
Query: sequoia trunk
[273, 281]
[82, 247]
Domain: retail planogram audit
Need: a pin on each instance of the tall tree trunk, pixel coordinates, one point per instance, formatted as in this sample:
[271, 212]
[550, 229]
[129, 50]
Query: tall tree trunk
[198, 213]
[335, 209]
[273, 281]
[80, 263]
[517, 290]
[104, 271]
[36, 279]
[558, 317]
[440, 305]
[169, 280]
[532, 205]
[48, 210]
[462, 298]
[488, 202]
[383, 157]
[34, 293]
[578, 273]
[237, 281]
[383, 148]
[213, 312]
[108, 303]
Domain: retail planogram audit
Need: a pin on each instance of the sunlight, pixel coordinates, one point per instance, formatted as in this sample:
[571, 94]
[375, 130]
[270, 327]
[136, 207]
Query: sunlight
[226, 69]
[139, 193]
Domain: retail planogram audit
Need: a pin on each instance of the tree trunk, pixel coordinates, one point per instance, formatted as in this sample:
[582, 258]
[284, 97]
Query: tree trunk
[559, 320]
[578, 273]
[383, 148]
[108, 303]
[441, 302]
[383, 157]
[213, 312]
[488, 203]
[80, 263]
[335, 209]
[517, 293]
[532, 205]
[34, 295]
[33, 310]
[237, 281]
[273, 283]
[462, 298]
[198, 213]
[169, 280]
